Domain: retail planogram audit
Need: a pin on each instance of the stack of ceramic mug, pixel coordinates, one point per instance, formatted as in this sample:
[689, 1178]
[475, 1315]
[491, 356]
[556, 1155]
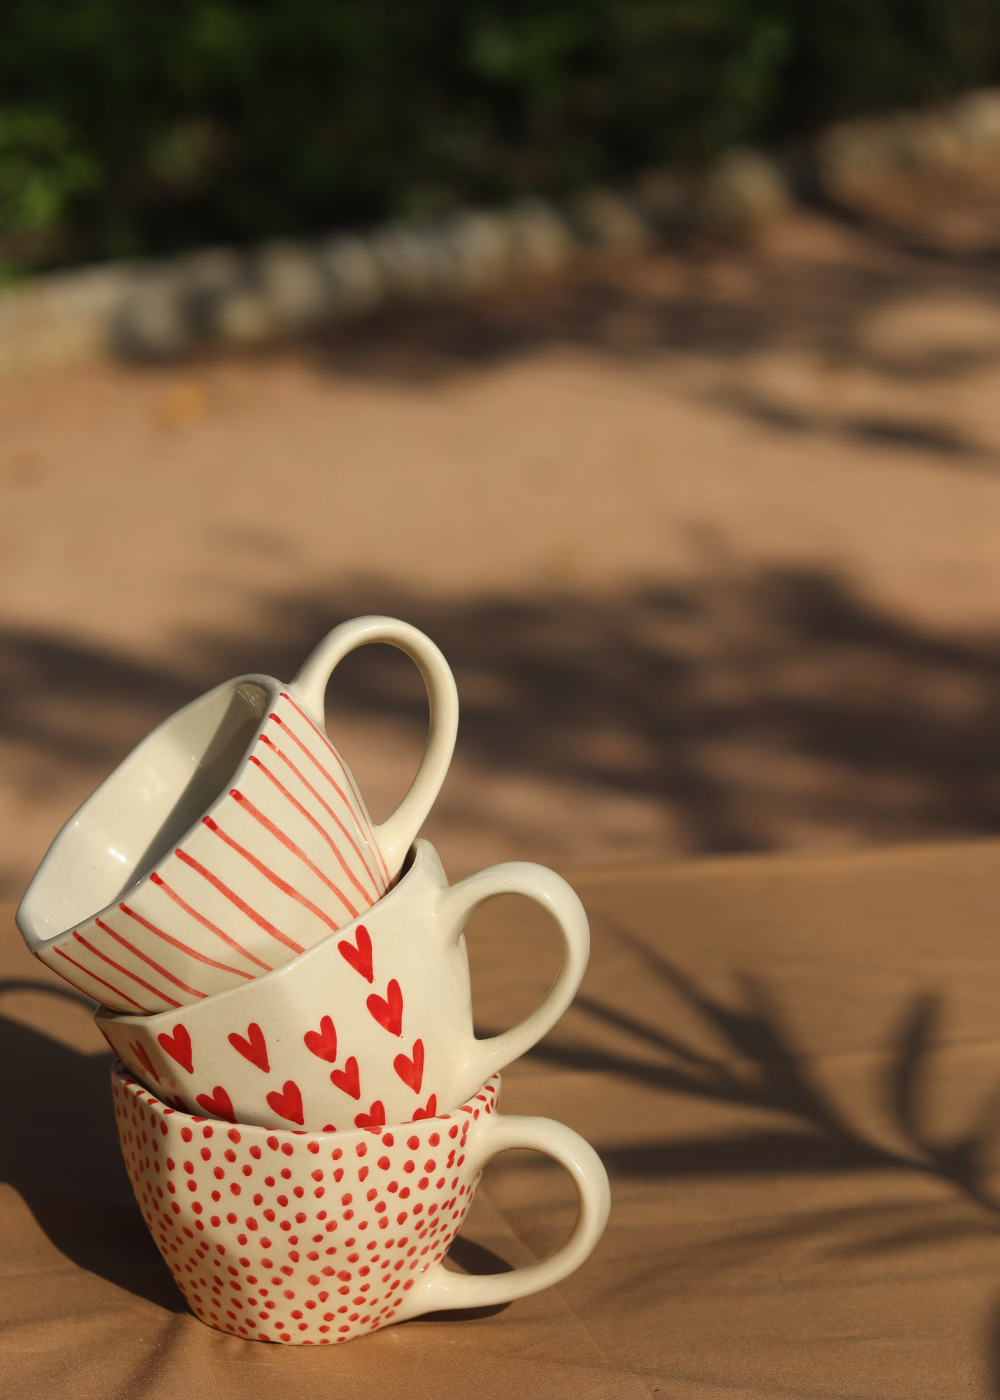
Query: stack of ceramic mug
[303, 1107]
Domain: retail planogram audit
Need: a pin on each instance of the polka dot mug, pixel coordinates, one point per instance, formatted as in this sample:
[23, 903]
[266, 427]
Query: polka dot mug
[317, 1238]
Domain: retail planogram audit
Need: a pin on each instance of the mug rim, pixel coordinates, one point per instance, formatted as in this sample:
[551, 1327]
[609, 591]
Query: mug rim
[343, 1135]
[28, 917]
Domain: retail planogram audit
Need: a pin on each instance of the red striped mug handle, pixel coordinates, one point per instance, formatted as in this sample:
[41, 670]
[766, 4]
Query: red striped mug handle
[394, 836]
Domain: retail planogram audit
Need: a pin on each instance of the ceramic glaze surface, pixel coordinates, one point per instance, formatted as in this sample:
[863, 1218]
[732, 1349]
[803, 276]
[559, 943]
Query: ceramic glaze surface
[233, 838]
[320, 1238]
[372, 1026]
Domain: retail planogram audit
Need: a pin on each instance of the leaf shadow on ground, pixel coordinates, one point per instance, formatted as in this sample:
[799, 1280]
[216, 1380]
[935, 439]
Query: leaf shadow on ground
[755, 709]
[803, 1130]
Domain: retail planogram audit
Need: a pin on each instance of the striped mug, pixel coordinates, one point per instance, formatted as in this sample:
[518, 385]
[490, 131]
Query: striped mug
[232, 839]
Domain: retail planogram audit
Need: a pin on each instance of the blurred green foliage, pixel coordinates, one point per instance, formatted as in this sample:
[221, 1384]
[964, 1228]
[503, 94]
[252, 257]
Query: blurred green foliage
[130, 127]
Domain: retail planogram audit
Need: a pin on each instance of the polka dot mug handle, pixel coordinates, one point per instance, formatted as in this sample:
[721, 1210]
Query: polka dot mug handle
[489, 1056]
[394, 836]
[439, 1288]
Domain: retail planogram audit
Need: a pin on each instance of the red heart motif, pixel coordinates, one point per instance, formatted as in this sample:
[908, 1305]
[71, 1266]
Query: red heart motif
[219, 1105]
[388, 1013]
[254, 1049]
[287, 1104]
[139, 1052]
[324, 1041]
[177, 1103]
[178, 1047]
[348, 1078]
[430, 1111]
[411, 1071]
[374, 1118]
[359, 957]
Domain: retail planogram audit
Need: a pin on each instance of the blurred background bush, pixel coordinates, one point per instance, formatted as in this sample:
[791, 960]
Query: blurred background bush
[128, 129]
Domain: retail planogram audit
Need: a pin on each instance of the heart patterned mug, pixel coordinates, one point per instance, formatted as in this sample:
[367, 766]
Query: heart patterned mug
[371, 1026]
[317, 1238]
[230, 840]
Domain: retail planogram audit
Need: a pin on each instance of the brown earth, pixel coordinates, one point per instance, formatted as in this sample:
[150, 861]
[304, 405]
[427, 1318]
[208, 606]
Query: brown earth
[711, 539]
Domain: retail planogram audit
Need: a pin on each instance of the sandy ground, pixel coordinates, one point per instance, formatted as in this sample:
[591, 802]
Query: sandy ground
[711, 539]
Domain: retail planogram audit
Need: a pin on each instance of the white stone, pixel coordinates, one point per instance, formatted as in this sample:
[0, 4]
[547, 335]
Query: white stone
[61, 318]
[607, 220]
[353, 270]
[540, 238]
[414, 263]
[153, 321]
[292, 281]
[743, 191]
[481, 246]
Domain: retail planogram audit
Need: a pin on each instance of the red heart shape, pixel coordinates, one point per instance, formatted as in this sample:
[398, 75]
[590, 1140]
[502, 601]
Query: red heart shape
[139, 1052]
[219, 1105]
[178, 1047]
[254, 1049]
[430, 1111]
[178, 1103]
[388, 1013]
[324, 1041]
[287, 1104]
[411, 1071]
[359, 957]
[348, 1078]
[374, 1118]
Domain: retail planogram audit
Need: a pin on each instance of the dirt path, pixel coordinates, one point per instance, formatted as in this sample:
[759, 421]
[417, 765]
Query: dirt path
[712, 541]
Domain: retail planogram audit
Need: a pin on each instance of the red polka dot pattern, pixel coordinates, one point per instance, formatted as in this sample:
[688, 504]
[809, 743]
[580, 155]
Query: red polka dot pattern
[301, 1237]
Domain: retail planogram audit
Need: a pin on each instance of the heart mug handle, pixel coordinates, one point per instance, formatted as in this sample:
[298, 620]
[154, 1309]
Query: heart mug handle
[394, 836]
[545, 887]
[440, 1288]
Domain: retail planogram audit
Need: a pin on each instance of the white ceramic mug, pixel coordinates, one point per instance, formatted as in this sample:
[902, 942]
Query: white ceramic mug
[322, 1237]
[371, 1026]
[233, 838]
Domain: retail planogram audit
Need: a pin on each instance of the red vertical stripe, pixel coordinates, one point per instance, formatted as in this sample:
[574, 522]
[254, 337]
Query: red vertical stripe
[207, 923]
[318, 824]
[290, 845]
[118, 968]
[360, 814]
[183, 947]
[144, 957]
[94, 978]
[244, 908]
[269, 874]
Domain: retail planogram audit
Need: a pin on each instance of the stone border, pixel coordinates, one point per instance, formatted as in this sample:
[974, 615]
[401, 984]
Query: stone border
[168, 309]
[223, 297]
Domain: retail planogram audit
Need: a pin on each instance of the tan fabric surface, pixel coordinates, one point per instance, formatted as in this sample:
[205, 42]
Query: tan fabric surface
[790, 1066]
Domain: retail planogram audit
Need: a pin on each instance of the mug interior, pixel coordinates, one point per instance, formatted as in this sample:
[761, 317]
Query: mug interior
[144, 808]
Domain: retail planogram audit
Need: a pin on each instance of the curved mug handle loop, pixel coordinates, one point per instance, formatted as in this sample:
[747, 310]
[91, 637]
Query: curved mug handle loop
[394, 836]
[440, 1288]
[551, 891]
